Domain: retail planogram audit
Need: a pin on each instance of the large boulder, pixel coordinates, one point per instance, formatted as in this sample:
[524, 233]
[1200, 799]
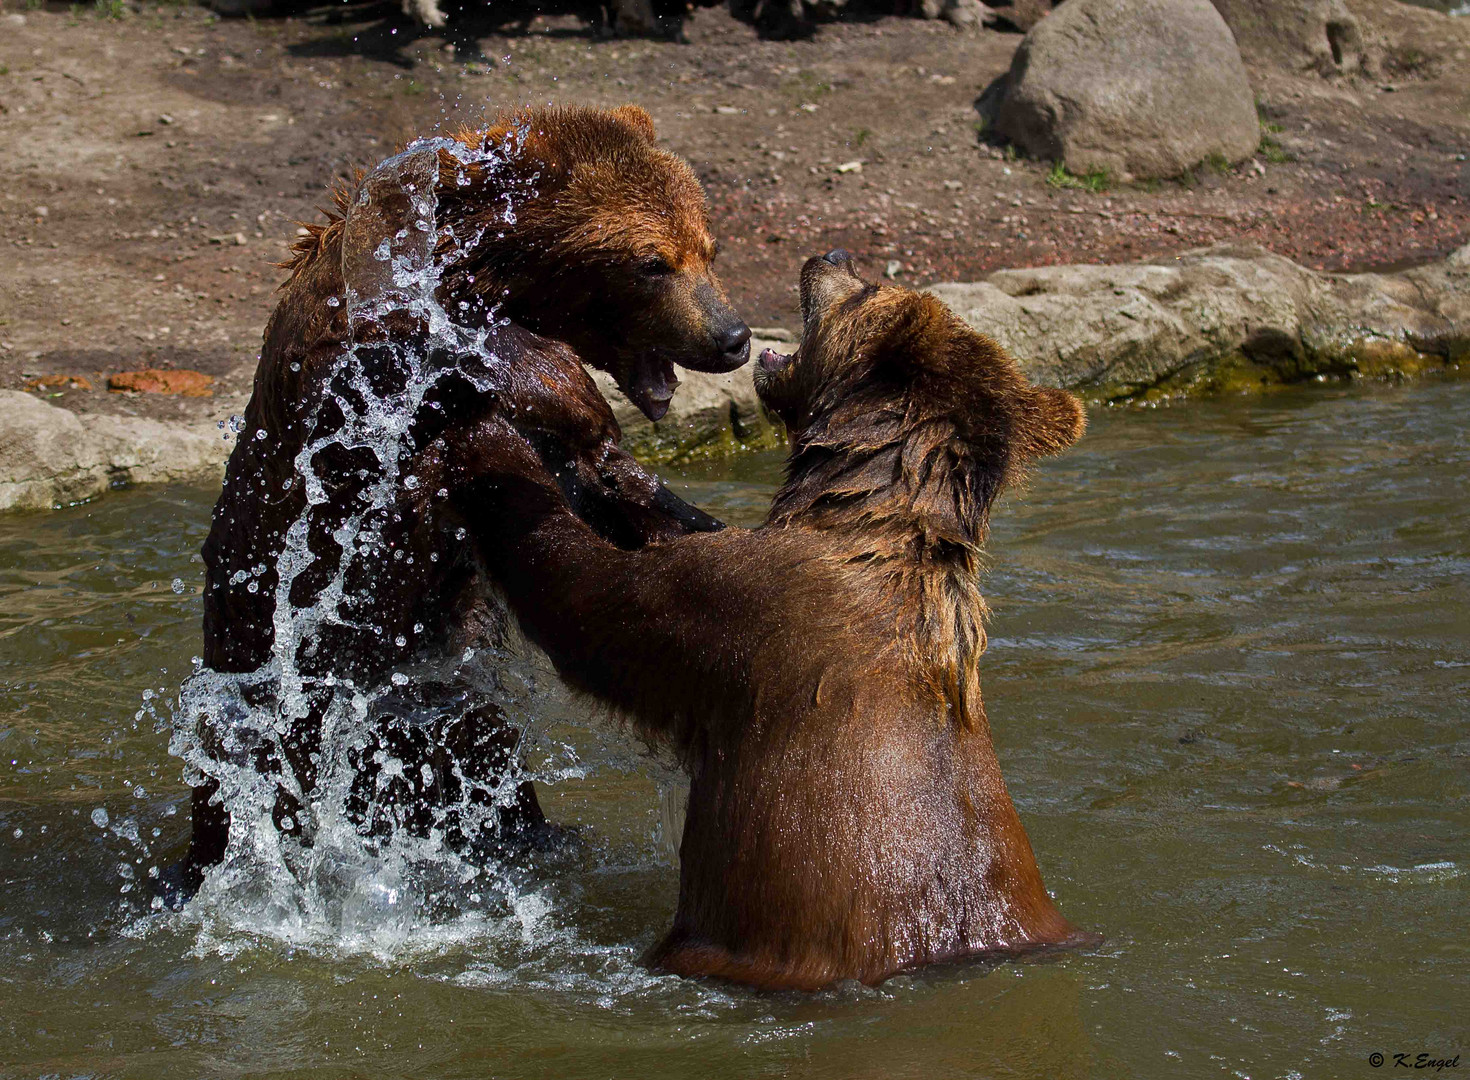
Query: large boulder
[1134, 88]
[1221, 318]
[1317, 34]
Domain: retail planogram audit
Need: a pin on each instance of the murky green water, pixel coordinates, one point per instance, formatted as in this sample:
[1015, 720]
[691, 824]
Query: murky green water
[1228, 673]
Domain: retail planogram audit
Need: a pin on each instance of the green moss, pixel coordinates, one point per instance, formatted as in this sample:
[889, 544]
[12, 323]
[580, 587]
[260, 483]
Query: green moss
[1237, 373]
[666, 445]
[1096, 180]
[1272, 151]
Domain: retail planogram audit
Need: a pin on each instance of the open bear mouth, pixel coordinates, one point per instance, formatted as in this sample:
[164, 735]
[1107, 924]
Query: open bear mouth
[771, 361]
[651, 386]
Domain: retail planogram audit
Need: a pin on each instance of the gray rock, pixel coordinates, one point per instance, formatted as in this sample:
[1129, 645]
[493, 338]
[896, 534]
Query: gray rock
[1318, 34]
[1219, 318]
[971, 16]
[1135, 88]
[51, 456]
[1023, 14]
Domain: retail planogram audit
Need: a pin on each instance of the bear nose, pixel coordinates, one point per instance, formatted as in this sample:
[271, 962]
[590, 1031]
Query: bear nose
[734, 343]
[838, 257]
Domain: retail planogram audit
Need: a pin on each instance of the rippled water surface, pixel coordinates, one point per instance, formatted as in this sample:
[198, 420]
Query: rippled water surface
[1228, 673]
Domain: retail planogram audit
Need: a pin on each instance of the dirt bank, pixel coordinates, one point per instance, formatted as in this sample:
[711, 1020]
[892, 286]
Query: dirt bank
[156, 163]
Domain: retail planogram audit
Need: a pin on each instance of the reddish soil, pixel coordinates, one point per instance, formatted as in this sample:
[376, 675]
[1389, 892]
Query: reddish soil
[156, 164]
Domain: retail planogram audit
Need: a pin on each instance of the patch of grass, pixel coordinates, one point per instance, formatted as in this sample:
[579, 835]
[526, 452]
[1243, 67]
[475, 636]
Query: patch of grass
[109, 9]
[1095, 181]
[4, 69]
[1271, 128]
[1216, 163]
[861, 137]
[1273, 151]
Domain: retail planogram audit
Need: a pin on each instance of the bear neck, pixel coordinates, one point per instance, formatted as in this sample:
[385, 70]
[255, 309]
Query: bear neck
[913, 511]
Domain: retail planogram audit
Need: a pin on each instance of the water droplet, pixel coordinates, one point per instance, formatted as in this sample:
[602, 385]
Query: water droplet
[400, 679]
[178, 586]
[100, 818]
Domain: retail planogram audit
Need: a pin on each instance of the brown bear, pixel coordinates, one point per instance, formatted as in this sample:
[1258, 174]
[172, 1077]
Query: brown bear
[818, 676]
[556, 237]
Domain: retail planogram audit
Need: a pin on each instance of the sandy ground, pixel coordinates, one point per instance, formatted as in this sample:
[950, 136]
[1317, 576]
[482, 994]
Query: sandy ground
[155, 165]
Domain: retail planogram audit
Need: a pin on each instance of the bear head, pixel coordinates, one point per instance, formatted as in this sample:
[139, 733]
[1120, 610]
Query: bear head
[596, 237]
[897, 409]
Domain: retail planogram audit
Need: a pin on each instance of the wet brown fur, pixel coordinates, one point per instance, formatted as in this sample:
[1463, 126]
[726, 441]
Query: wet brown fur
[818, 676]
[564, 286]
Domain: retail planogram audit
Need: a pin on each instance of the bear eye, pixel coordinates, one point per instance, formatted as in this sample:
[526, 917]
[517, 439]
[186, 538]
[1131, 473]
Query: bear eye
[655, 267]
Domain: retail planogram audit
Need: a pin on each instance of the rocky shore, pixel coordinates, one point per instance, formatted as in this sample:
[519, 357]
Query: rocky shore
[1214, 320]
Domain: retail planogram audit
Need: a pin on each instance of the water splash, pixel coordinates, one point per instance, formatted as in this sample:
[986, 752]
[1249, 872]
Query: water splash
[346, 864]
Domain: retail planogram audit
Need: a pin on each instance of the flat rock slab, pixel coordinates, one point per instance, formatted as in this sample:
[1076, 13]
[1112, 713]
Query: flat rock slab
[51, 456]
[1218, 318]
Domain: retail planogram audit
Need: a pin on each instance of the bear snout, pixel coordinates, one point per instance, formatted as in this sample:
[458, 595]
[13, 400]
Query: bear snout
[733, 342]
[825, 279]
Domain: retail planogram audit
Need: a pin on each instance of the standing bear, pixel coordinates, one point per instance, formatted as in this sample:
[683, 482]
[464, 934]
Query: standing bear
[818, 677]
[462, 276]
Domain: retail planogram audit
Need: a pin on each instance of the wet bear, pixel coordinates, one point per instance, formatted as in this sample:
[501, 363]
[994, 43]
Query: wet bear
[463, 275]
[818, 676]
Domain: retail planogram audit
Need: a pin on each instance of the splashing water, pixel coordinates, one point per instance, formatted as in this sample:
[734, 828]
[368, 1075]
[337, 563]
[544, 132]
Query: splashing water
[347, 867]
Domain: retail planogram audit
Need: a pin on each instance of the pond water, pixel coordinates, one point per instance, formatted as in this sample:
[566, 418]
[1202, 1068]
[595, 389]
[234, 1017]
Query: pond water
[1228, 673]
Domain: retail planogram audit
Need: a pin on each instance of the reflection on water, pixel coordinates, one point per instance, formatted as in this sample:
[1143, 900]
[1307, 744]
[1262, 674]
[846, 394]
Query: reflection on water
[1228, 667]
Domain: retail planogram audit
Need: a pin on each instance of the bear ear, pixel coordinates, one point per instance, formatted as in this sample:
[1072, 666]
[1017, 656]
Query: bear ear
[635, 117]
[1052, 421]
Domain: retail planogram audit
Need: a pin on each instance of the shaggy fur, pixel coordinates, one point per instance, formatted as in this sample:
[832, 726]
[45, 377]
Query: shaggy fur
[818, 676]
